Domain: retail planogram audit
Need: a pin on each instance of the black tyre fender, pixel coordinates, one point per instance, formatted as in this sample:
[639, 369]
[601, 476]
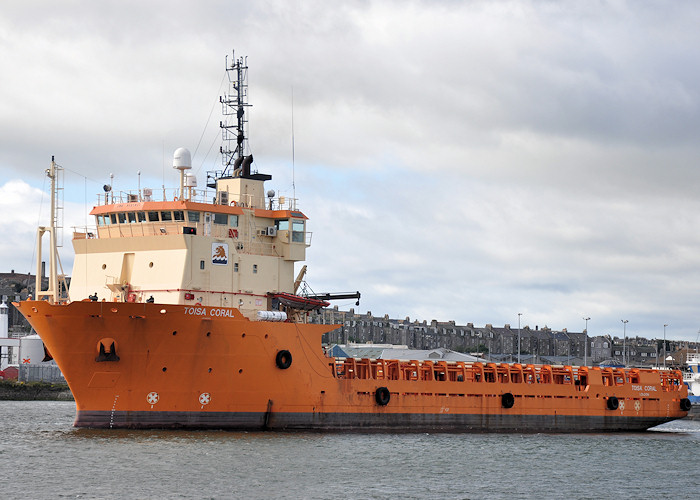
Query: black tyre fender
[686, 405]
[283, 359]
[382, 396]
[612, 403]
[507, 400]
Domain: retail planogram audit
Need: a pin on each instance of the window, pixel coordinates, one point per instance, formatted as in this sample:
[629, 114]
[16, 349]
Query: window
[255, 269]
[235, 267]
[113, 218]
[166, 216]
[122, 217]
[100, 220]
[220, 219]
[233, 220]
[131, 216]
[282, 225]
[141, 216]
[193, 216]
[298, 231]
[153, 217]
[178, 215]
[201, 264]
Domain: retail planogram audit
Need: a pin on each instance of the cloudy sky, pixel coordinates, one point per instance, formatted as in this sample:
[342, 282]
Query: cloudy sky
[463, 161]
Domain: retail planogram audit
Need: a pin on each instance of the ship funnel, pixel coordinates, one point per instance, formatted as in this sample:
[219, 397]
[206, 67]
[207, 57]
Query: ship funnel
[246, 165]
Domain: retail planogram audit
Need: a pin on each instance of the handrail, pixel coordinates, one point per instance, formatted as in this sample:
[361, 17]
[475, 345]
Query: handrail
[365, 368]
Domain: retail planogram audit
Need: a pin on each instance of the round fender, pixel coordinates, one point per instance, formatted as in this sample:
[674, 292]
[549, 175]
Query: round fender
[283, 359]
[507, 400]
[686, 405]
[382, 396]
[612, 403]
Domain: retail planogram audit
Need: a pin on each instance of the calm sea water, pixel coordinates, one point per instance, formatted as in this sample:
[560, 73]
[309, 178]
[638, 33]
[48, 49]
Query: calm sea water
[43, 456]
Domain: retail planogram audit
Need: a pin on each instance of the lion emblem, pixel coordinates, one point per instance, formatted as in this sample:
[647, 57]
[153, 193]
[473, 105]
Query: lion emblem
[219, 253]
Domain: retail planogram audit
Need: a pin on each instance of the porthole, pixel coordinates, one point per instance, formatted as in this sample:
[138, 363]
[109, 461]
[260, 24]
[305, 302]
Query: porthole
[104, 266]
[150, 264]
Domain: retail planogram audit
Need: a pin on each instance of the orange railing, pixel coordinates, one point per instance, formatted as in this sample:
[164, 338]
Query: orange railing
[504, 373]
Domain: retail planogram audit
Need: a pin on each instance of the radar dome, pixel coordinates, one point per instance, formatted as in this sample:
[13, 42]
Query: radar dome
[182, 159]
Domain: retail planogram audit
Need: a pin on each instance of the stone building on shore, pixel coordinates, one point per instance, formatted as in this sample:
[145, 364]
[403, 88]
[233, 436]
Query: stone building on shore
[538, 344]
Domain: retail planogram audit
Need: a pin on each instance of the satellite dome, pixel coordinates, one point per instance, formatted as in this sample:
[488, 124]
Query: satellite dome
[182, 159]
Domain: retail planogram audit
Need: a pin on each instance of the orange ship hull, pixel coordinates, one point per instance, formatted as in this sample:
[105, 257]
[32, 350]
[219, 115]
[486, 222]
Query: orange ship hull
[140, 365]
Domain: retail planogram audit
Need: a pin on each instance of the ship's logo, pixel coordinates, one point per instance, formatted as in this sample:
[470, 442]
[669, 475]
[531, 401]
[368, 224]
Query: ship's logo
[219, 253]
[204, 398]
[622, 406]
[152, 398]
[637, 405]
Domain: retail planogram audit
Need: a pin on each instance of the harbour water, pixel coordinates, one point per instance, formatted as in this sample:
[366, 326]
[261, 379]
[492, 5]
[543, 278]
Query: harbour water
[43, 456]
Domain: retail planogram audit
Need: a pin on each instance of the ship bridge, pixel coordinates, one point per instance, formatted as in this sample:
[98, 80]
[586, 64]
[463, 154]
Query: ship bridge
[232, 251]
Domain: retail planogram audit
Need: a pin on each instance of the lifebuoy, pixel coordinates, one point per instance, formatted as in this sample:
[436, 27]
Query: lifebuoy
[233, 204]
[283, 359]
[382, 395]
[507, 400]
[613, 403]
[131, 297]
[686, 405]
[174, 198]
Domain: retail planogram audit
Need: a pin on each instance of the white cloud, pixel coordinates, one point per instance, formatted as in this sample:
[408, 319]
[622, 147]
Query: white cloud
[463, 161]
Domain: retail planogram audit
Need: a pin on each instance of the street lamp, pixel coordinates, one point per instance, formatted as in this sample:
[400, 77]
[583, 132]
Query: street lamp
[585, 342]
[665, 346]
[624, 341]
[519, 314]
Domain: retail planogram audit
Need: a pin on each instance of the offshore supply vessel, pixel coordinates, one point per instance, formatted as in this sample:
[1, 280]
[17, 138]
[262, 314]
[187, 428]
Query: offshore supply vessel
[184, 311]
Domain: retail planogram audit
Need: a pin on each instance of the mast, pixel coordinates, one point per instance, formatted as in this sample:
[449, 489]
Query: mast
[234, 134]
[52, 293]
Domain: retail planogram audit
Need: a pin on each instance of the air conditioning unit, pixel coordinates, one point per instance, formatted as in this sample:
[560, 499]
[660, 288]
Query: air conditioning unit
[133, 198]
[147, 193]
[272, 231]
[223, 198]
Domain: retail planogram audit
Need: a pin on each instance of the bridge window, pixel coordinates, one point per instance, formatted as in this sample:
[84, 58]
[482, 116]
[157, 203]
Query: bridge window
[166, 216]
[153, 217]
[141, 216]
[113, 217]
[233, 220]
[298, 231]
[282, 225]
[131, 216]
[220, 219]
[193, 216]
[178, 215]
[122, 217]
